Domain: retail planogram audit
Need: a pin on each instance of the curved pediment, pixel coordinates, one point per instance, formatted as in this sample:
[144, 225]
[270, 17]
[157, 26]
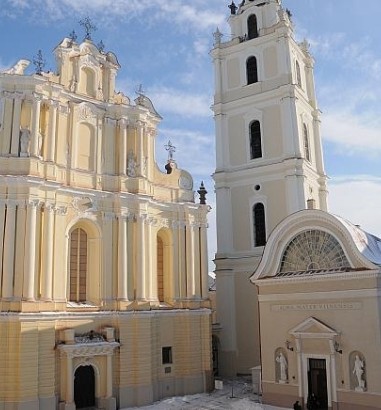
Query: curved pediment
[316, 241]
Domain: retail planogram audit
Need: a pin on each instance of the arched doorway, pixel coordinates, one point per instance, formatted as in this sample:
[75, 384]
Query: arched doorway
[84, 387]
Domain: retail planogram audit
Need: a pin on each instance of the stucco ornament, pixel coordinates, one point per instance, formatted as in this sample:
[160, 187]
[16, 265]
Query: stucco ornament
[131, 164]
[83, 204]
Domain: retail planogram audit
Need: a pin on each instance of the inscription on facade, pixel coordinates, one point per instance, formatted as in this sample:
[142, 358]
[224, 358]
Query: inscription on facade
[319, 306]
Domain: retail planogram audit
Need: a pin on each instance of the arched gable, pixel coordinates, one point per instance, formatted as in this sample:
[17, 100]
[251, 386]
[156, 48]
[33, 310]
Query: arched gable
[329, 229]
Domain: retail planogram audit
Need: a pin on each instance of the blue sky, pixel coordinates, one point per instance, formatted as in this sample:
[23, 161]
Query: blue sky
[164, 45]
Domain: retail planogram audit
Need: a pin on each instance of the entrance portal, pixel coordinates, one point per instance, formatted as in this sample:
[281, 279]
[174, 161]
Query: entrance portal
[317, 384]
[84, 387]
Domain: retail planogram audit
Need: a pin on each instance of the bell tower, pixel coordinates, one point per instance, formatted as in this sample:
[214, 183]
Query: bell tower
[269, 161]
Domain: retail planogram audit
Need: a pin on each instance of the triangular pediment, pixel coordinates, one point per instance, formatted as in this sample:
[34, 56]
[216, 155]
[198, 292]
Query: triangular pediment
[312, 326]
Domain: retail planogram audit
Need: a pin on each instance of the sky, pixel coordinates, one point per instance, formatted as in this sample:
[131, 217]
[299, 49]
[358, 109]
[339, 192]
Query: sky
[164, 45]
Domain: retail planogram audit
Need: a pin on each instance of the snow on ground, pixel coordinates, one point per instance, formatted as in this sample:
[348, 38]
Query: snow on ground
[235, 395]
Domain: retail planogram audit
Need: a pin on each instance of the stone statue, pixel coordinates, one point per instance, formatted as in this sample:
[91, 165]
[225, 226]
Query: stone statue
[18, 68]
[283, 367]
[131, 164]
[358, 370]
[40, 141]
[24, 142]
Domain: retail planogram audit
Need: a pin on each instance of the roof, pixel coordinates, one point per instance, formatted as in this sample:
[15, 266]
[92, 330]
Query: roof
[367, 244]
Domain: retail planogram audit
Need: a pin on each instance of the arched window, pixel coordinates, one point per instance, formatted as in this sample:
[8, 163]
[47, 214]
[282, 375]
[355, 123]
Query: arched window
[251, 70]
[164, 265]
[255, 140]
[306, 142]
[298, 75]
[78, 265]
[259, 224]
[252, 27]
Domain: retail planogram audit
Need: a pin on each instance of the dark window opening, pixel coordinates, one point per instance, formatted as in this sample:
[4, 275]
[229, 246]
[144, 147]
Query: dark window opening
[307, 153]
[259, 225]
[255, 140]
[298, 75]
[251, 70]
[166, 355]
[252, 27]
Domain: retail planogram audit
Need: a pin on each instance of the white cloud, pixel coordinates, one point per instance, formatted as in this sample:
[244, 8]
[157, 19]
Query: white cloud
[195, 151]
[357, 200]
[353, 133]
[198, 15]
[174, 101]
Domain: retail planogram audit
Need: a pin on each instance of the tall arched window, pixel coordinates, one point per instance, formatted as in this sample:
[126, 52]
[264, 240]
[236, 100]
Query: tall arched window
[251, 70]
[255, 140]
[252, 27]
[298, 75]
[306, 142]
[259, 224]
[78, 265]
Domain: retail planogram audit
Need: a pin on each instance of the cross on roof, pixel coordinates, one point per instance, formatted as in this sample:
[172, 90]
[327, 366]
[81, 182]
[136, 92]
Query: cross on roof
[89, 27]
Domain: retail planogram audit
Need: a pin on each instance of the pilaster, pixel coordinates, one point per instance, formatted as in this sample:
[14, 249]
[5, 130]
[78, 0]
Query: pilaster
[16, 124]
[47, 252]
[35, 125]
[122, 258]
[53, 107]
[9, 250]
[29, 292]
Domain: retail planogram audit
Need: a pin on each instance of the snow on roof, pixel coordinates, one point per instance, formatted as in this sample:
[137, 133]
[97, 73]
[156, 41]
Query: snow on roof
[367, 244]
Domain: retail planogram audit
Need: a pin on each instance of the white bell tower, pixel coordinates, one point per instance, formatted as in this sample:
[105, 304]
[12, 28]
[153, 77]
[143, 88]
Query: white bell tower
[269, 159]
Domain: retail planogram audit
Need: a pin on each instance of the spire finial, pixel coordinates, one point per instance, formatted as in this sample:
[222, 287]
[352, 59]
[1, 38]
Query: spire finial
[202, 192]
[233, 8]
[89, 27]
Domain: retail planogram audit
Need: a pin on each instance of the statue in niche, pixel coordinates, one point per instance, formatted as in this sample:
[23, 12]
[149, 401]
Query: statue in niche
[24, 142]
[144, 166]
[40, 141]
[283, 367]
[358, 371]
[131, 164]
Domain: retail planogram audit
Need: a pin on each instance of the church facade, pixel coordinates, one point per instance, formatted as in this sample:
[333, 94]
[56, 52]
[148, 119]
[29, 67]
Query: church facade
[306, 324]
[103, 267]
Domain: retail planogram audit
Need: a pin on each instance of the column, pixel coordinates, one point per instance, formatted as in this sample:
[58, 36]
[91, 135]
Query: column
[204, 262]
[47, 254]
[30, 251]
[182, 261]
[196, 264]
[36, 111]
[139, 152]
[16, 126]
[190, 261]
[69, 380]
[9, 249]
[140, 251]
[122, 258]
[2, 244]
[122, 146]
[52, 130]
[301, 387]
[176, 272]
[6, 125]
[150, 275]
[109, 376]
